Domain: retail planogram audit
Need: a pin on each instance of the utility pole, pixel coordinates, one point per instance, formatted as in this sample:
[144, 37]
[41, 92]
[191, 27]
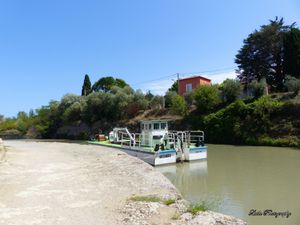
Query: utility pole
[177, 82]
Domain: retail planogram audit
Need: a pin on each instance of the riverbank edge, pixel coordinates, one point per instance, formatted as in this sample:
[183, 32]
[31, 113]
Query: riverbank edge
[184, 213]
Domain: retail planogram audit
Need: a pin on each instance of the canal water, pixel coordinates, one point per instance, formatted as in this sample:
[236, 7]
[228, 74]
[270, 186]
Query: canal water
[236, 180]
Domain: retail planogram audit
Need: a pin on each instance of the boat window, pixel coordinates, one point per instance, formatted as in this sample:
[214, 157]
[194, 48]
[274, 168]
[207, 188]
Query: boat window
[157, 137]
[146, 126]
[163, 126]
[150, 126]
[156, 126]
[143, 126]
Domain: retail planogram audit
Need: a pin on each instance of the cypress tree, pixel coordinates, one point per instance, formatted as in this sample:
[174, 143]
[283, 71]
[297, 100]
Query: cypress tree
[86, 87]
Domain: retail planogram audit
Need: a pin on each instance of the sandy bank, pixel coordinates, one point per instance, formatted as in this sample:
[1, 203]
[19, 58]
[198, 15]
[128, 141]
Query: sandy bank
[61, 183]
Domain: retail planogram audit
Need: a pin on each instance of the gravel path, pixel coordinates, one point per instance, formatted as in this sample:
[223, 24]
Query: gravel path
[69, 184]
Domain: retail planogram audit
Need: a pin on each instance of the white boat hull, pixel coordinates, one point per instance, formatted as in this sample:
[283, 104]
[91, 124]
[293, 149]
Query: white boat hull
[155, 159]
[196, 153]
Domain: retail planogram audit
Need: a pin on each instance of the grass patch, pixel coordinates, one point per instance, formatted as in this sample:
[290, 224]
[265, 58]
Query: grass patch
[199, 207]
[150, 198]
[169, 201]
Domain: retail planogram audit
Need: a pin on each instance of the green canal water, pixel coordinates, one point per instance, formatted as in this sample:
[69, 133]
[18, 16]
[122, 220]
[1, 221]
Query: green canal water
[237, 179]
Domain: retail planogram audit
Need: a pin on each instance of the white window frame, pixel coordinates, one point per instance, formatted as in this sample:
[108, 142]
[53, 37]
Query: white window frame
[188, 87]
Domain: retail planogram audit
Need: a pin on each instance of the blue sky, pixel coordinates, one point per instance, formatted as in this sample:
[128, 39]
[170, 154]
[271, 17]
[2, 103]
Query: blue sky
[46, 47]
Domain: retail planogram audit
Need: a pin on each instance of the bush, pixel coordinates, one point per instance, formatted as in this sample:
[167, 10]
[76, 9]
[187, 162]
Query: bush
[292, 84]
[179, 105]
[257, 89]
[11, 134]
[230, 90]
[206, 98]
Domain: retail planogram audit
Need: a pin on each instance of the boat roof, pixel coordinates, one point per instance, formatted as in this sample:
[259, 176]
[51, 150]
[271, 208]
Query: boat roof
[154, 121]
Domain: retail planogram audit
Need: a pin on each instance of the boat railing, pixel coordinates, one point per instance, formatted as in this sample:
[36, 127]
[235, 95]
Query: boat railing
[127, 139]
[195, 138]
[130, 139]
[184, 139]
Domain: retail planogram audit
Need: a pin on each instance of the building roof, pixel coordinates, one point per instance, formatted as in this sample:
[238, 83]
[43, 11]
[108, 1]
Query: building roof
[196, 76]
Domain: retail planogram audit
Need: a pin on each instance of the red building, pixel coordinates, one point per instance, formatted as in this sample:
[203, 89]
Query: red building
[188, 84]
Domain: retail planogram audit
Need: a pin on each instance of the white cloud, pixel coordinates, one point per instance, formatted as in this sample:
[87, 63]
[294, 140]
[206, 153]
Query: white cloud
[157, 87]
[220, 77]
[160, 87]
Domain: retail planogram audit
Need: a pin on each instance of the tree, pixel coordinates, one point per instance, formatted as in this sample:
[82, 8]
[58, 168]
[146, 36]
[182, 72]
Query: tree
[206, 98]
[291, 64]
[149, 95]
[168, 98]
[174, 87]
[261, 56]
[86, 87]
[230, 90]
[107, 83]
[178, 105]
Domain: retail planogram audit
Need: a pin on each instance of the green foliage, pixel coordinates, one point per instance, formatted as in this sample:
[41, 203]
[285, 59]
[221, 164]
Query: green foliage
[149, 95]
[178, 105]
[189, 99]
[224, 126]
[241, 123]
[256, 89]
[157, 102]
[291, 62]
[206, 98]
[169, 201]
[174, 87]
[47, 120]
[105, 84]
[74, 112]
[230, 90]
[8, 124]
[261, 56]
[168, 98]
[195, 208]
[292, 84]
[138, 103]
[86, 87]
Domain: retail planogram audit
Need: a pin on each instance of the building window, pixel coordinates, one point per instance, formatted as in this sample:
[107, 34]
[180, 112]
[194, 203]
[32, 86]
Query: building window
[156, 126]
[188, 87]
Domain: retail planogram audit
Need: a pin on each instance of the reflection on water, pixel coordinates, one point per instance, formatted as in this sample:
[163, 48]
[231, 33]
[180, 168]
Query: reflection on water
[235, 179]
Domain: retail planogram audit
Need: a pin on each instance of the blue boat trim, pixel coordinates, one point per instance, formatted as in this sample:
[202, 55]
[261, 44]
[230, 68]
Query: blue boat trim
[167, 152]
[199, 148]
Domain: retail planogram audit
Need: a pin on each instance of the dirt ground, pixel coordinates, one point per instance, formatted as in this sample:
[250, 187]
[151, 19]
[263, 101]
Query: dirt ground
[62, 183]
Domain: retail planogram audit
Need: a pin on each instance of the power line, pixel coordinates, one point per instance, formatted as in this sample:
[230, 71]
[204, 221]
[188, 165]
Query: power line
[185, 74]
[160, 78]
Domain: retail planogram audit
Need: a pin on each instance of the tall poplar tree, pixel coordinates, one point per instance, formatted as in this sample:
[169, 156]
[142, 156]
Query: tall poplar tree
[86, 87]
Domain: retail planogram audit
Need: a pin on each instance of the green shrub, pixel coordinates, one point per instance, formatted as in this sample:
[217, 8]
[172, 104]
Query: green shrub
[230, 90]
[169, 201]
[179, 105]
[199, 207]
[257, 89]
[292, 84]
[206, 98]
